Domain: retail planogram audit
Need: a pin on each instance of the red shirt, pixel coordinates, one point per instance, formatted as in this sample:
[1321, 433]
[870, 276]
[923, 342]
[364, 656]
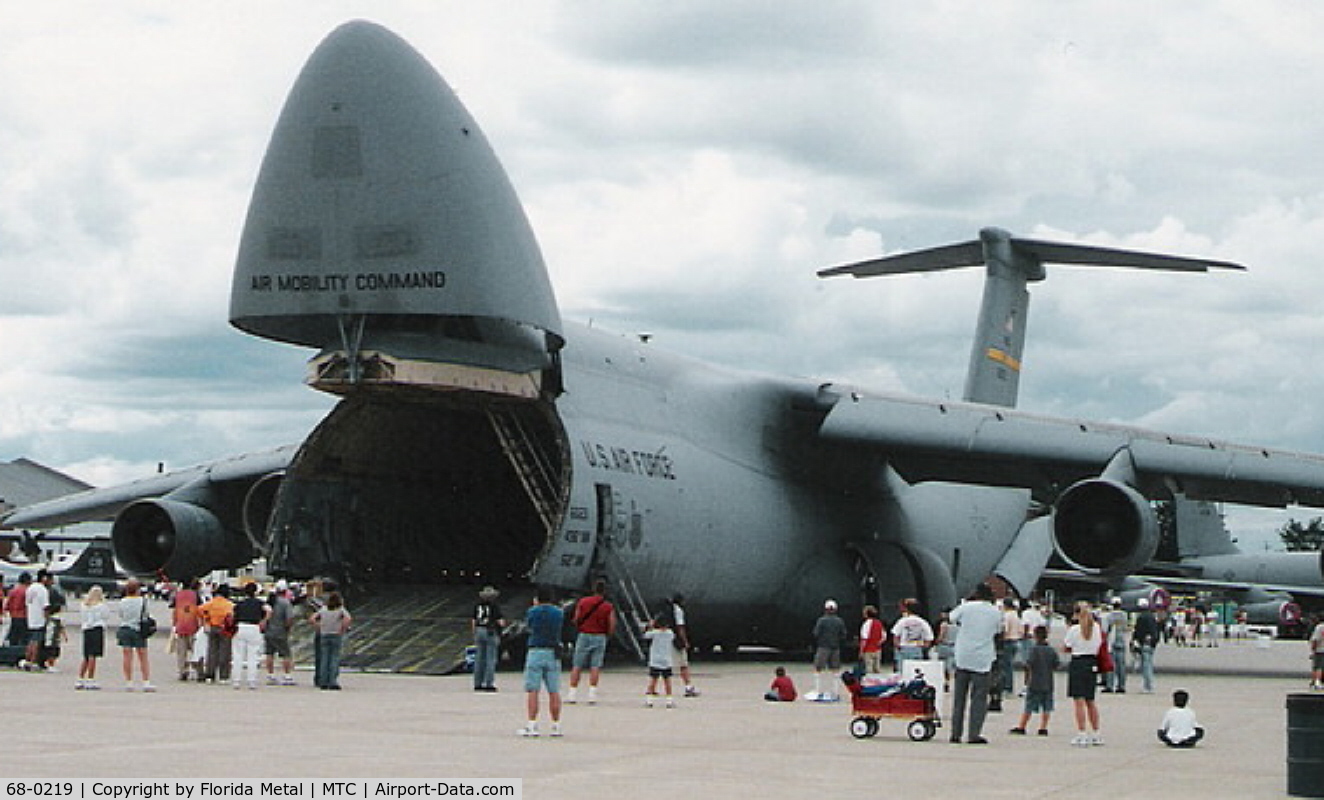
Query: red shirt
[871, 640]
[784, 688]
[593, 615]
[16, 602]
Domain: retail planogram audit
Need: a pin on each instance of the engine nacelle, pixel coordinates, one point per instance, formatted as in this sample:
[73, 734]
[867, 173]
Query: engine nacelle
[1156, 598]
[181, 539]
[1102, 527]
[1281, 613]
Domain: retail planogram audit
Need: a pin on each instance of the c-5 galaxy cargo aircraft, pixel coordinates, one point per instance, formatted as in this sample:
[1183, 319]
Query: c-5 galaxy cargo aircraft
[480, 438]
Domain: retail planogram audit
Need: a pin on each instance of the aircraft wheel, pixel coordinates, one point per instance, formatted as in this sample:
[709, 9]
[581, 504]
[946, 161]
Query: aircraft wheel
[860, 727]
[919, 731]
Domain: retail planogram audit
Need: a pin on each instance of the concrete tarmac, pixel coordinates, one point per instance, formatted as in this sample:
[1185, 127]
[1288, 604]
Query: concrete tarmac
[726, 742]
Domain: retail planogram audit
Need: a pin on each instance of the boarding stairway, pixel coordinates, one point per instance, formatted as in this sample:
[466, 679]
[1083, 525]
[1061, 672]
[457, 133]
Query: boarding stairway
[531, 463]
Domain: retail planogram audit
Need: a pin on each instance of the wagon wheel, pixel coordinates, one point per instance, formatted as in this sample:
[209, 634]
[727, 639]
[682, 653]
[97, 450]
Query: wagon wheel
[930, 729]
[873, 726]
[860, 727]
[918, 730]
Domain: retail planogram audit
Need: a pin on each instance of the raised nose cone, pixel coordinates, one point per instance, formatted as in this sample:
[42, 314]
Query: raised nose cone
[383, 231]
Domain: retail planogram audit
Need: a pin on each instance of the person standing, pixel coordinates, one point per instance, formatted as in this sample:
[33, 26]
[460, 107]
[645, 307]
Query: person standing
[1145, 638]
[215, 614]
[1115, 630]
[95, 615]
[661, 649]
[872, 635]
[977, 623]
[486, 624]
[250, 615]
[1040, 663]
[911, 634]
[829, 636]
[1013, 632]
[133, 643]
[276, 637]
[683, 643]
[542, 664]
[595, 618]
[37, 599]
[1082, 642]
[331, 623]
[16, 608]
[185, 624]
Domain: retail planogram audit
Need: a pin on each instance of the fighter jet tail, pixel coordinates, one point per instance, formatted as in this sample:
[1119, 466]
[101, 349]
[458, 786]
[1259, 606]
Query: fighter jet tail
[1011, 262]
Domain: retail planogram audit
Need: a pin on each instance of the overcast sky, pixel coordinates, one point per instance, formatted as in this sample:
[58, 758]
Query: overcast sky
[687, 167]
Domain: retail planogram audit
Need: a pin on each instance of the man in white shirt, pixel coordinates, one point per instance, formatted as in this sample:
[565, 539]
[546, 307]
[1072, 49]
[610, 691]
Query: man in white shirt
[977, 623]
[38, 598]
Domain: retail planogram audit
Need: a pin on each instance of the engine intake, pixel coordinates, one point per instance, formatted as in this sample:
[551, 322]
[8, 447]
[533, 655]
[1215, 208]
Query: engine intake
[1102, 527]
[180, 539]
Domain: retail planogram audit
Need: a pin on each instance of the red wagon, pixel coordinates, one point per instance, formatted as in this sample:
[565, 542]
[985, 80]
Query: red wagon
[920, 706]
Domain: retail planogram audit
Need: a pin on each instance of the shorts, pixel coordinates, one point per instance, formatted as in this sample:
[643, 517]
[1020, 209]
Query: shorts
[542, 668]
[1317, 660]
[36, 635]
[827, 658]
[659, 672]
[1081, 679]
[130, 638]
[680, 659]
[94, 642]
[1038, 701]
[590, 648]
[277, 645]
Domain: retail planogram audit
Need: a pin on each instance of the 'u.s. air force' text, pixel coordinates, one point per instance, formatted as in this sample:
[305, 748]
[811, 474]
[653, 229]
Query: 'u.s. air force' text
[623, 459]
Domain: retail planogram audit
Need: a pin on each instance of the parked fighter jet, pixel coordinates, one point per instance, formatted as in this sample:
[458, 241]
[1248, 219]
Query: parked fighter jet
[489, 441]
[93, 566]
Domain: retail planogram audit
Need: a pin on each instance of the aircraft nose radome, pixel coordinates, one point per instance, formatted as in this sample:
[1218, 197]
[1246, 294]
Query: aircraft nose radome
[381, 207]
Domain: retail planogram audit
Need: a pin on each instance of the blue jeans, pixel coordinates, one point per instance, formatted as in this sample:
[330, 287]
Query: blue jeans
[328, 660]
[1011, 648]
[487, 645]
[1147, 666]
[1117, 678]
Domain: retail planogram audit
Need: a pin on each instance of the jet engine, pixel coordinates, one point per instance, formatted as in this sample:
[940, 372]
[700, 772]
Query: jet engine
[1102, 527]
[180, 539]
[1281, 613]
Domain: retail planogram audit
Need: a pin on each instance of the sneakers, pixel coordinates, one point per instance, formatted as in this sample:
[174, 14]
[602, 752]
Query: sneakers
[690, 691]
[287, 680]
[592, 695]
[670, 703]
[91, 686]
[1043, 731]
[648, 701]
[148, 687]
[572, 696]
[272, 680]
[1080, 740]
[529, 730]
[1096, 740]
[1017, 731]
[556, 729]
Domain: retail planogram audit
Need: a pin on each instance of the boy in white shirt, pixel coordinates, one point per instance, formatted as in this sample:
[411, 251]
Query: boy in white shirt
[1180, 728]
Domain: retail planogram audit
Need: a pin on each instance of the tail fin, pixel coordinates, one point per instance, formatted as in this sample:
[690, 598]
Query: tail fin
[1011, 263]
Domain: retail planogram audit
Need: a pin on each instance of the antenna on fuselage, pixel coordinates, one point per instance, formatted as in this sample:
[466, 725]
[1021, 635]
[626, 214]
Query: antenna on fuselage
[1011, 264]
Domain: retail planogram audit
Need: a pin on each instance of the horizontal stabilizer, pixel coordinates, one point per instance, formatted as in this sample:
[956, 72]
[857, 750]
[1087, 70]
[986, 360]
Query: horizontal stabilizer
[972, 254]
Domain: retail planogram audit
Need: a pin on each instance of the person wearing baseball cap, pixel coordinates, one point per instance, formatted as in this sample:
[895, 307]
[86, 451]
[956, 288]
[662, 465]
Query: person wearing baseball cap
[829, 636]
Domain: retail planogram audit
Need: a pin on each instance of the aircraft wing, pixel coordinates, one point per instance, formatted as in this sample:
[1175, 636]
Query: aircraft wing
[105, 503]
[972, 443]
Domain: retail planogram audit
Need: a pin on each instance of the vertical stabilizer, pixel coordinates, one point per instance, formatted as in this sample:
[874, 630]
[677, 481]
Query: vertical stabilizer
[1011, 263]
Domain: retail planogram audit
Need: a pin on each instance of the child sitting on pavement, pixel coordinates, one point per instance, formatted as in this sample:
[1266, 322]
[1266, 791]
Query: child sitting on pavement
[1180, 728]
[782, 689]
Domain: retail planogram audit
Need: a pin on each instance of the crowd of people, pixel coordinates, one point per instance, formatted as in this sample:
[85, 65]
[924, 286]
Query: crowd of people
[214, 639]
